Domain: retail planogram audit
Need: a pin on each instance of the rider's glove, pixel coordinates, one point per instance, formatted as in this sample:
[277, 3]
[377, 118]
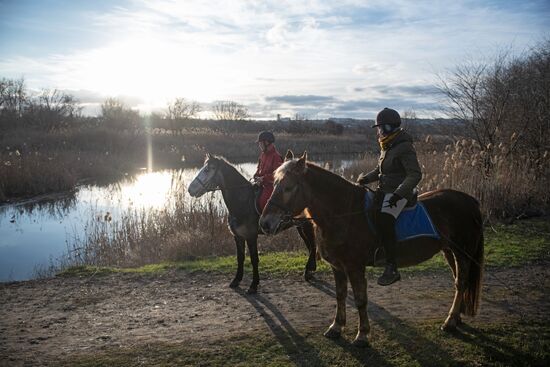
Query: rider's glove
[393, 200]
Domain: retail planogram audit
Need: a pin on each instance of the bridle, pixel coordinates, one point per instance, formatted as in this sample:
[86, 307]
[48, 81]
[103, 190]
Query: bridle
[209, 188]
[287, 218]
[206, 185]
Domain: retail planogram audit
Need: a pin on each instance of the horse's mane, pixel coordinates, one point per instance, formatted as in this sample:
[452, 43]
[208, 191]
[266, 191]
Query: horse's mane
[282, 170]
[331, 177]
[229, 166]
[220, 158]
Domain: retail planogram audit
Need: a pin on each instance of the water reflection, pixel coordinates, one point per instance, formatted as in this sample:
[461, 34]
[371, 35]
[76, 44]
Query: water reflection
[34, 232]
[53, 206]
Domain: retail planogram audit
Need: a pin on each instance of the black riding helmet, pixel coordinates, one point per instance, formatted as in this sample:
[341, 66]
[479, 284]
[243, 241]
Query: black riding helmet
[388, 119]
[266, 136]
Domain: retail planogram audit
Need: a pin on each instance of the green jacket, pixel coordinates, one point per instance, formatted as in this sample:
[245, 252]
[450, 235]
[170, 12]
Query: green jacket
[398, 170]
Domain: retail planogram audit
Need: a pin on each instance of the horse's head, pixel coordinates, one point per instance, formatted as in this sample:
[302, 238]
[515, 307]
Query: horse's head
[289, 197]
[209, 177]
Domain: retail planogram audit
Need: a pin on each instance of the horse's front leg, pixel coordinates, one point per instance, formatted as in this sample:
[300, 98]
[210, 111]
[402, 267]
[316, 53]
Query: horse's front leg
[308, 235]
[341, 280]
[239, 242]
[254, 259]
[359, 286]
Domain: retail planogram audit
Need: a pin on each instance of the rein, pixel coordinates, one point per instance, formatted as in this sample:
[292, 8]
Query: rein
[288, 218]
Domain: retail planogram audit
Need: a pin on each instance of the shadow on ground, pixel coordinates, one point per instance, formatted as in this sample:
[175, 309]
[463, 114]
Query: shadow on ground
[394, 341]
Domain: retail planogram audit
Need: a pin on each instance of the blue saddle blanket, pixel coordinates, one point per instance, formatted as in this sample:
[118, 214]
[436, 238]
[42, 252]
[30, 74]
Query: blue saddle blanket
[411, 223]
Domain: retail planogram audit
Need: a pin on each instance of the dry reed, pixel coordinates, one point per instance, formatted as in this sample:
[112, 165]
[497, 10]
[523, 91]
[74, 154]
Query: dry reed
[183, 229]
[506, 187]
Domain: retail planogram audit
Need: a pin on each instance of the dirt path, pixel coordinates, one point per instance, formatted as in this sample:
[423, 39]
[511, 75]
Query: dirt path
[46, 320]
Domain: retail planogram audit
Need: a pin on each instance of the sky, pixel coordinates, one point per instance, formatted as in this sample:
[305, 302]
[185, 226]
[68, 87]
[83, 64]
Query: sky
[320, 59]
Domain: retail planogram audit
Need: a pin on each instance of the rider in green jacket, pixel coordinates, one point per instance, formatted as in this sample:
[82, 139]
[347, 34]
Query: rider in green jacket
[397, 173]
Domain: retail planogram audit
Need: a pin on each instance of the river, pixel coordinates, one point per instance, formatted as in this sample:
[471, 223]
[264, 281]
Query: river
[38, 232]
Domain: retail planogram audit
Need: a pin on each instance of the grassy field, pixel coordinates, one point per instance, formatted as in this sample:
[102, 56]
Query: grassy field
[505, 245]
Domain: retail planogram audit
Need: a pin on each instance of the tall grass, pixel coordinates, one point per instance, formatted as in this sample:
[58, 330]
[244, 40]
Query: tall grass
[507, 186]
[183, 229]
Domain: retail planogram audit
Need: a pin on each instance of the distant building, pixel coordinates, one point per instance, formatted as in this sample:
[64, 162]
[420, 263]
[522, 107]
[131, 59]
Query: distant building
[282, 119]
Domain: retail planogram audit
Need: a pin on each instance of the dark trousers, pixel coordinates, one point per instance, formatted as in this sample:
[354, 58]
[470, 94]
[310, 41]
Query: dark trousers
[385, 225]
[385, 228]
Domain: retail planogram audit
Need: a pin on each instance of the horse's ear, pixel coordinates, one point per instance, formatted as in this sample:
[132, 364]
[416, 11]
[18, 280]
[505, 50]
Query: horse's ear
[289, 155]
[301, 164]
[208, 156]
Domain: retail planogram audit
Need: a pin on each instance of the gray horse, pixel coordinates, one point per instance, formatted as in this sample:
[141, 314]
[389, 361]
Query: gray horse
[239, 197]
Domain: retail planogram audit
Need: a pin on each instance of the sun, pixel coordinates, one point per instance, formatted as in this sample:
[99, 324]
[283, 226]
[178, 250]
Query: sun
[150, 70]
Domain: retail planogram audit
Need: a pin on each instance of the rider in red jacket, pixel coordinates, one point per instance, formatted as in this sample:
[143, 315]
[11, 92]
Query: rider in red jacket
[269, 161]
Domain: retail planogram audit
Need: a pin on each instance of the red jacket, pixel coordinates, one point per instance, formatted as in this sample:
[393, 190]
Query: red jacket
[268, 162]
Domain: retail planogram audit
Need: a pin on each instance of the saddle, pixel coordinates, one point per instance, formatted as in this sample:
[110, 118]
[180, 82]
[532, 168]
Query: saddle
[414, 221]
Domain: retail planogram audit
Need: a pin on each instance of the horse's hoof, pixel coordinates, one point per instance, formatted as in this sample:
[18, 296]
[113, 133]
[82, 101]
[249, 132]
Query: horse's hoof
[252, 290]
[448, 327]
[360, 343]
[332, 333]
[308, 276]
[451, 323]
[234, 284]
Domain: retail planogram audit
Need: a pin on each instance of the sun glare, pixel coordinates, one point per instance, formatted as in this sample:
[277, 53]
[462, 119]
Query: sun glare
[149, 190]
[152, 70]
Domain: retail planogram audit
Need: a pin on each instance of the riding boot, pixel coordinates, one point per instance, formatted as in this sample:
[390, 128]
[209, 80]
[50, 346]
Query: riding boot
[386, 227]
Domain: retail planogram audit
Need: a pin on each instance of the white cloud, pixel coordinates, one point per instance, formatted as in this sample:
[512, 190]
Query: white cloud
[249, 50]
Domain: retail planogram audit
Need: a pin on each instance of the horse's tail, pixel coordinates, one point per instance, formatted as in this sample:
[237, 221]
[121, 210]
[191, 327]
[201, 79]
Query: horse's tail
[472, 294]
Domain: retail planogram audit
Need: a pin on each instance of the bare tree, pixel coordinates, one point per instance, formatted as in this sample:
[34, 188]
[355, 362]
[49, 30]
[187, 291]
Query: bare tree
[116, 114]
[529, 80]
[229, 110]
[182, 109]
[478, 94]
[53, 110]
[13, 97]
[407, 122]
[505, 103]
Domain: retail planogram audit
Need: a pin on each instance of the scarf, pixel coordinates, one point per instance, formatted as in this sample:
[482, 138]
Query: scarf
[386, 141]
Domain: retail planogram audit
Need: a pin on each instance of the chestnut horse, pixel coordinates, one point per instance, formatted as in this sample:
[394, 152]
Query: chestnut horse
[239, 197]
[347, 243]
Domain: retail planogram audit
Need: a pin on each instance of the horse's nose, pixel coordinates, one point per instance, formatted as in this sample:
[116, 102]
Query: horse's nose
[192, 189]
[264, 226]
